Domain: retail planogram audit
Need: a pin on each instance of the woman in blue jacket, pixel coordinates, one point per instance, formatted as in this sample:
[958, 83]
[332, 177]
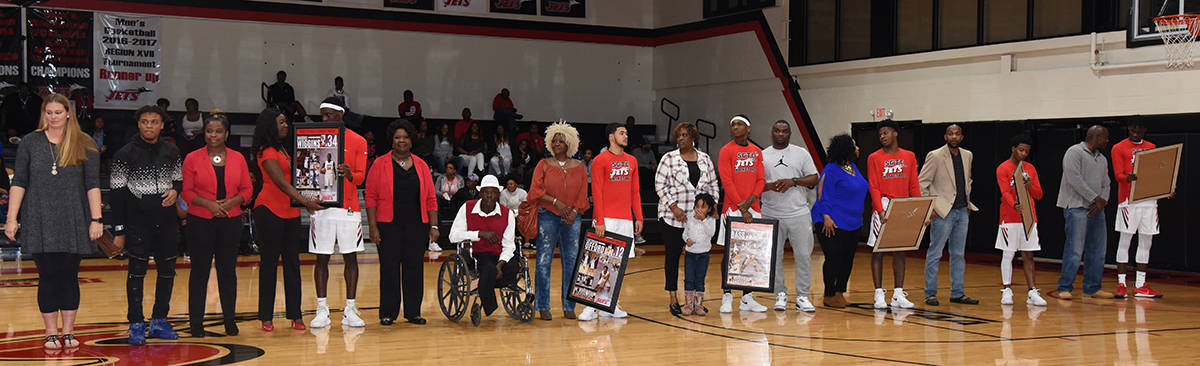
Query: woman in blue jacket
[838, 212]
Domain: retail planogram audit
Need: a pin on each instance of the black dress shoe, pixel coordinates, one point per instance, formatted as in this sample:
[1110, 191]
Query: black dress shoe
[964, 300]
[932, 301]
[417, 320]
[676, 309]
[197, 331]
[231, 329]
[387, 321]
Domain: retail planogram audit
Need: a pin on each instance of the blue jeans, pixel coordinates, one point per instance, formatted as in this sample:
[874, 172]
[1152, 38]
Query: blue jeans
[952, 228]
[695, 266]
[551, 233]
[1086, 238]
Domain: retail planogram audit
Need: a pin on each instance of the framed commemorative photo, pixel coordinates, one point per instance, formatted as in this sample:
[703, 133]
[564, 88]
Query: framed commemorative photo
[905, 226]
[751, 251]
[1157, 173]
[599, 269]
[316, 154]
[1023, 199]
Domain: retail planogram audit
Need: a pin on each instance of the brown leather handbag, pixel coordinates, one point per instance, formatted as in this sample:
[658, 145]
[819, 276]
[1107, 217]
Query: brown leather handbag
[527, 220]
[108, 245]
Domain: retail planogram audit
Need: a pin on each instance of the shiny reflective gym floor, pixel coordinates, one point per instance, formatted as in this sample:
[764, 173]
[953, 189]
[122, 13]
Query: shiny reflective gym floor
[1087, 331]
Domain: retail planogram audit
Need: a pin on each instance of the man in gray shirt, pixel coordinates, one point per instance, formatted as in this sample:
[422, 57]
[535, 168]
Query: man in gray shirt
[1082, 195]
[789, 173]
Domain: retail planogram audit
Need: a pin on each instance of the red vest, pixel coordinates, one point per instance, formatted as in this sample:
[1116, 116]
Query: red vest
[494, 223]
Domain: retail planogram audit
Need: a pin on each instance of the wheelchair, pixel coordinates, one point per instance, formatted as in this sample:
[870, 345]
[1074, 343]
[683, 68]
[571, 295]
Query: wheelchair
[457, 288]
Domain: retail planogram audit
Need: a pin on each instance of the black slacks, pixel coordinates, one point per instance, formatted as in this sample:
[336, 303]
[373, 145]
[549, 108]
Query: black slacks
[485, 263]
[401, 268]
[210, 240]
[278, 239]
[673, 242]
[839, 258]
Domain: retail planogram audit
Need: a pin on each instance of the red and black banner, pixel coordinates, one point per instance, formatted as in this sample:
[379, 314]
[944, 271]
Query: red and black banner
[409, 4]
[528, 7]
[59, 51]
[10, 47]
[564, 8]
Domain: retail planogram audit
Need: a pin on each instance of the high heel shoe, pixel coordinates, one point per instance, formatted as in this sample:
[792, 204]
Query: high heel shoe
[268, 326]
[298, 324]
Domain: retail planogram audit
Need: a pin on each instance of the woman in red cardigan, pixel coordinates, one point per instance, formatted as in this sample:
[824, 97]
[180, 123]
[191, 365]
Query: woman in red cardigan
[402, 211]
[216, 182]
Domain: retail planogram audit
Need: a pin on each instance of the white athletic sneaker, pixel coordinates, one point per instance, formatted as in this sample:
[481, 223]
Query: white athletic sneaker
[1035, 298]
[781, 301]
[880, 299]
[434, 247]
[618, 313]
[727, 303]
[748, 303]
[1006, 296]
[804, 305]
[350, 317]
[589, 313]
[900, 299]
[321, 320]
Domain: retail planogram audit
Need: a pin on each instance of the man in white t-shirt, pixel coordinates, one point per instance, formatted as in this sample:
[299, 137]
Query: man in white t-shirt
[789, 170]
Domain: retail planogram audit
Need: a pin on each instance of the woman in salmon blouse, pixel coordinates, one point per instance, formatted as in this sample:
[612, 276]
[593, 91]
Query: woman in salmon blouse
[560, 190]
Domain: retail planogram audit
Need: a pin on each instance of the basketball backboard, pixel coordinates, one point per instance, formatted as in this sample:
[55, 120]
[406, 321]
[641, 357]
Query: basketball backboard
[1142, 30]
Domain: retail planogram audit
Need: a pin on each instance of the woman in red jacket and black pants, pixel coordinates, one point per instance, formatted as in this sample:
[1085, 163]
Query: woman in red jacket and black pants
[216, 182]
[402, 216]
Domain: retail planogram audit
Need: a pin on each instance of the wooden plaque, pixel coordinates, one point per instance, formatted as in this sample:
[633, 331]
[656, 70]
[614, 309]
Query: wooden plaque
[1023, 198]
[1157, 172]
[905, 224]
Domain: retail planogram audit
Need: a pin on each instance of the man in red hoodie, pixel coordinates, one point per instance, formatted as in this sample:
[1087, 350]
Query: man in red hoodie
[617, 203]
[1133, 218]
[740, 167]
[891, 173]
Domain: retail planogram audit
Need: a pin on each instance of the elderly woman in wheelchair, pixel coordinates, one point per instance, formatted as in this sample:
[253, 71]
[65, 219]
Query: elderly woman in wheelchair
[486, 259]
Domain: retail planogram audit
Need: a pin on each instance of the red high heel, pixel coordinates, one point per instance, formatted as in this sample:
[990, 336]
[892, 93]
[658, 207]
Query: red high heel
[268, 328]
[298, 324]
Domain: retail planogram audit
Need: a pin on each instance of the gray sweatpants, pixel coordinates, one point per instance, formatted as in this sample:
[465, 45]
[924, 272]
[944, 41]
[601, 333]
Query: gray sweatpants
[798, 231]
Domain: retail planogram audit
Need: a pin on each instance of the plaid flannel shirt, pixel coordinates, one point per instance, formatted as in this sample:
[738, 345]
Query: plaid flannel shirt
[673, 187]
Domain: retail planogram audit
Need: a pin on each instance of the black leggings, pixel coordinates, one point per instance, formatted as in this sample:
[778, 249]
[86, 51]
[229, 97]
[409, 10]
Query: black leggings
[278, 238]
[58, 281]
[209, 240]
[673, 241]
[401, 268]
[839, 258]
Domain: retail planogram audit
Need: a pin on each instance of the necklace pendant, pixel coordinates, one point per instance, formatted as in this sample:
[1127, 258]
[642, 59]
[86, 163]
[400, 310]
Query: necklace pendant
[54, 170]
[216, 159]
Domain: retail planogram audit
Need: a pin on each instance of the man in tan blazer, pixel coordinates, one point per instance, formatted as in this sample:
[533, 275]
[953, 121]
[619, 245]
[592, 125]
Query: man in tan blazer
[946, 174]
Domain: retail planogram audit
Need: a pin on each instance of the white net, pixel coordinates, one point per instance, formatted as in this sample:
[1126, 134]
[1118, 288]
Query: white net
[1178, 33]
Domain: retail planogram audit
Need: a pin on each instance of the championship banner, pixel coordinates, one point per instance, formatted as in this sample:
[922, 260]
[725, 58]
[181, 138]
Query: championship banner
[599, 268]
[10, 47]
[564, 8]
[528, 7]
[128, 60]
[751, 252]
[462, 6]
[316, 154]
[59, 51]
[409, 4]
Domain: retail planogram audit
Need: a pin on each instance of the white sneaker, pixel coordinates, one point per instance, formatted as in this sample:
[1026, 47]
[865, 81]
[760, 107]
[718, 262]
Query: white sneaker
[1035, 298]
[321, 320]
[880, 299]
[588, 313]
[781, 301]
[433, 247]
[748, 303]
[350, 317]
[900, 299]
[1006, 296]
[618, 313]
[727, 303]
[804, 305]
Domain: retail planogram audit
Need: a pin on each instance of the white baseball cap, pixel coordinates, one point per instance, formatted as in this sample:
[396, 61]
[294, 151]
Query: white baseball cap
[489, 181]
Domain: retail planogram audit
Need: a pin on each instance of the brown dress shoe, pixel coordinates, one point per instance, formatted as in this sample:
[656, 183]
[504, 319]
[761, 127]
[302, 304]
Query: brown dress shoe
[835, 301]
[544, 315]
[568, 314]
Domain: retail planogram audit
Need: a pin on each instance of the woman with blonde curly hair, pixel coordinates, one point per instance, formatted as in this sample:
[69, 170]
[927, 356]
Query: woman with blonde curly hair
[559, 189]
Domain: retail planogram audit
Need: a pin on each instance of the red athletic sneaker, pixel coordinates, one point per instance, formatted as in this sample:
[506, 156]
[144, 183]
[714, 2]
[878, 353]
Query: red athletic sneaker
[1121, 292]
[1146, 291]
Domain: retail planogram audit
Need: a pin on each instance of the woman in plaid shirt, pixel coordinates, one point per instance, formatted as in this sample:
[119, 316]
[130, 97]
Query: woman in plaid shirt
[681, 175]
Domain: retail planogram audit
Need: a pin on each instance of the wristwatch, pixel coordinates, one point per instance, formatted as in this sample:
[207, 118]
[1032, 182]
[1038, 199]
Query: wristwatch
[435, 227]
[795, 181]
[97, 219]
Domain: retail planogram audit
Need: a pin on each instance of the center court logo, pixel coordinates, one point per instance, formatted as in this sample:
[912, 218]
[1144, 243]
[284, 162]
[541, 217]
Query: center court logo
[108, 344]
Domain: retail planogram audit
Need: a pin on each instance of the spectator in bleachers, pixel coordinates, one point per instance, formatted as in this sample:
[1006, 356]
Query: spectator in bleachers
[98, 134]
[190, 135]
[449, 182]
[470, 150]
[588, 155]
[468, 192]
[463, 125]
[645, 157]
[424, 141]
[410, 109]
[523, 163]
[443, 147]
[504, 112]
[560, 190]
[635, 139]
[170, 126]
[339, 91]
[501, 162]
[371, 152]
[283, 96]
[21, 111]
[536, 141]
[512, 195]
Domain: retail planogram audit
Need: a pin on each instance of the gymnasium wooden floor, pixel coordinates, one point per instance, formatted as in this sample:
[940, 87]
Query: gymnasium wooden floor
[1065, 332]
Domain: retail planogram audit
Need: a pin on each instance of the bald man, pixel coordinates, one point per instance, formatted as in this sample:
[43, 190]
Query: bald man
[1082, 195]
[947, 176]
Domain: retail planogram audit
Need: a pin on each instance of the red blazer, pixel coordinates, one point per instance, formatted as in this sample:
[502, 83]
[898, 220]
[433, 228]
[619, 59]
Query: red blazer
[200, 179]
[379, 188]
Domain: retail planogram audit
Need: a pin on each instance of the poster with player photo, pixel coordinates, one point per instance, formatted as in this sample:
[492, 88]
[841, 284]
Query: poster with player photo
[316, 154]
[599, 268]
[527, 7]
[564, 8]
[751, 251]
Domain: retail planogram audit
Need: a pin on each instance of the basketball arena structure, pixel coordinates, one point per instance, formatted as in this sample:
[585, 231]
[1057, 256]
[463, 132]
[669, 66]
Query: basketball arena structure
[903, 108]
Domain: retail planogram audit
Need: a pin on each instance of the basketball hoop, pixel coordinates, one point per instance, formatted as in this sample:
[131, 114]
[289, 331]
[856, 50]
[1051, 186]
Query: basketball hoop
[1178, 33]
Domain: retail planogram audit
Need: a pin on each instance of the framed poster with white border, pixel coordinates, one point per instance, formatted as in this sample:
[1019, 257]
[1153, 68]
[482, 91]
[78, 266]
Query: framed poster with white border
[599, 270]
[905, 226]
[316, 154]
[751, 252]
[1157, 173]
